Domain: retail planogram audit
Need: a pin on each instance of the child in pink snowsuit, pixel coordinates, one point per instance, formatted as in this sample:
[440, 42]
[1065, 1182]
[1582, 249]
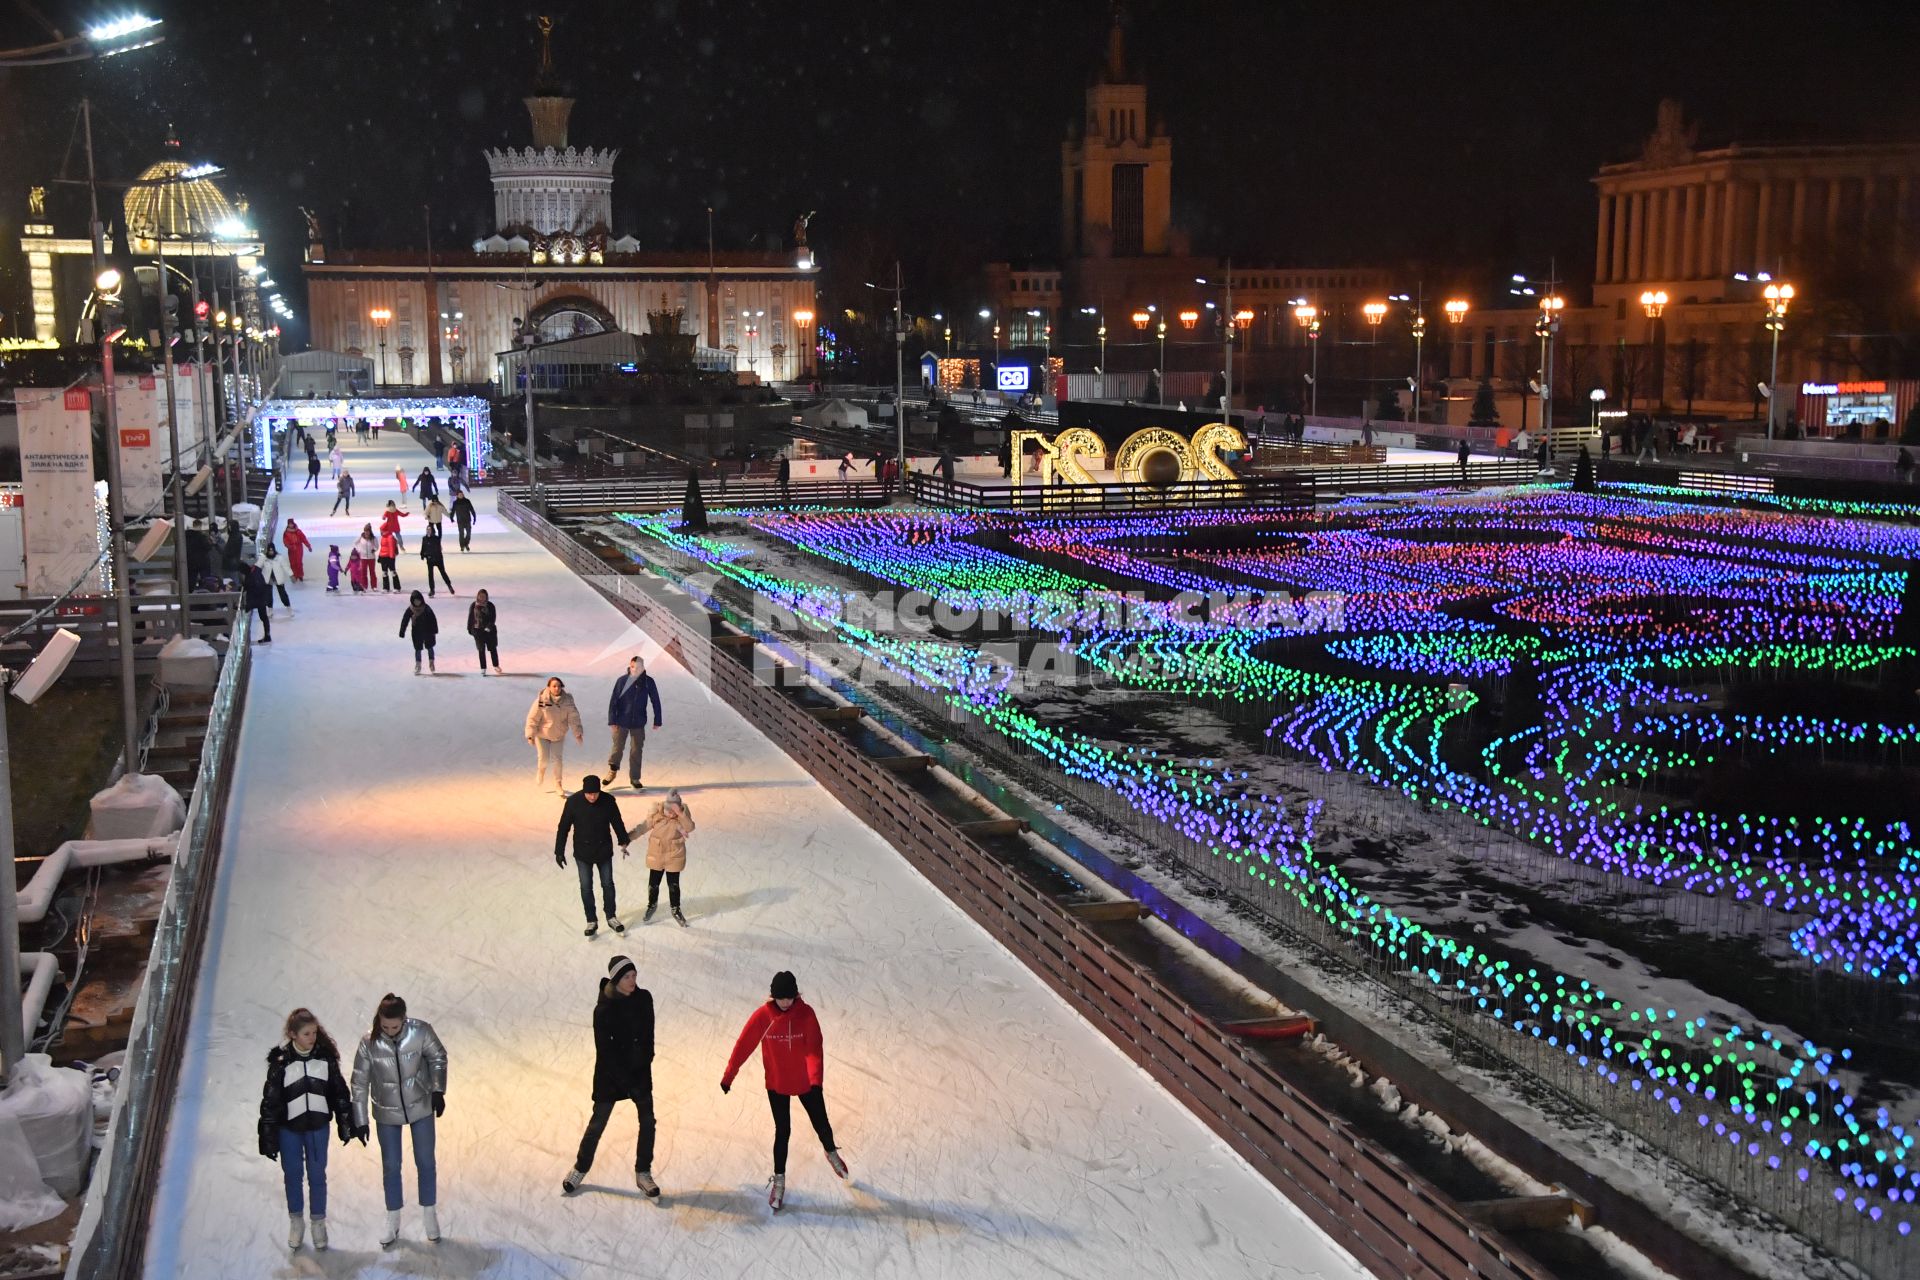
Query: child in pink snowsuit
[333, 569]
[357, 571]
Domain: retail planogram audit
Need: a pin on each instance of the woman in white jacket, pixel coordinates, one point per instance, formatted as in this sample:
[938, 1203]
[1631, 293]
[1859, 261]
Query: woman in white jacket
[552, 717]
[277, 574]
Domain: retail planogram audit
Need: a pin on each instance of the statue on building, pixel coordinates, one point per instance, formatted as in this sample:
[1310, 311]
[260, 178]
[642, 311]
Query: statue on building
[800, 228]
[37, 203]
[1672, 139]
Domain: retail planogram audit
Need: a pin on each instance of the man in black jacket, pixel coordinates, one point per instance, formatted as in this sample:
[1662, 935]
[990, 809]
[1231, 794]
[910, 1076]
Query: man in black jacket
[594, 819]
[622, 1070]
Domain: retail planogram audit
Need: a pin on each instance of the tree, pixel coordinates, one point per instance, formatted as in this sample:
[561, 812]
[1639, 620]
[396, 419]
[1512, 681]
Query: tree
[1910, 430]
[693, 510]
[1486, 411]
[1389, 407]
[1693, 364]
[1152, 394]
[1583, 472]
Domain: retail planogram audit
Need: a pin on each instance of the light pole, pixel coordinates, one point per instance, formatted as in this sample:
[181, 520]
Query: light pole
[1419, 325]
[1778, 297]
[1598, 396]
[899, 368]
[1375, 312]
[380, 316]
[1546, 327]
[1308, 317]
[1456, 309]
[803, 320]
[1654, 303]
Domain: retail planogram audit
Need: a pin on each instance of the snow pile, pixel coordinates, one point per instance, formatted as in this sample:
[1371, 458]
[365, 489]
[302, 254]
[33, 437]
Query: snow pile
[135, 807]
[188, 662]
[46, 1139]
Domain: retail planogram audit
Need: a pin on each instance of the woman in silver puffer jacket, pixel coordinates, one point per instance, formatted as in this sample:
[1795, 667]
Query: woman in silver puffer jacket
[400, 1072]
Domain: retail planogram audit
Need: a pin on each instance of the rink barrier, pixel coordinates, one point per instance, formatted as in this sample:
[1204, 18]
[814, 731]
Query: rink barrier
[110, 1239]
[585, 497]
[1393, 1221]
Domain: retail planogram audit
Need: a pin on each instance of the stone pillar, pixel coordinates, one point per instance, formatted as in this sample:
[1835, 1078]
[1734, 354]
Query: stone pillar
[1762, 237]
[1600, 256]
[1902, 209]
[1689, 214]
[1636, 226]
[1657, 233]
[1797, 226]
[1833, 213]
[1729, 200]
[1622, 209]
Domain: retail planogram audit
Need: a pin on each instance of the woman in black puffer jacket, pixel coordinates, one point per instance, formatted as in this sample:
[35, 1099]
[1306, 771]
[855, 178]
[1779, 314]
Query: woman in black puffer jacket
[622, 1070]
[304, 1088]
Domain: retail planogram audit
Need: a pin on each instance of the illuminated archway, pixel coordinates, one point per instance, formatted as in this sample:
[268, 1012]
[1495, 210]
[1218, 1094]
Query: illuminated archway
[1131, 459]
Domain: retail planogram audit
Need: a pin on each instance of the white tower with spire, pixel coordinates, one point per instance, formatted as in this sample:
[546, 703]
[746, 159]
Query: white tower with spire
[551, 191]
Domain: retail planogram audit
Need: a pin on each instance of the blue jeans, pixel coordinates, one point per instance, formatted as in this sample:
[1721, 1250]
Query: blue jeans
[586, 870]
[423, 1166]
[304, 1153]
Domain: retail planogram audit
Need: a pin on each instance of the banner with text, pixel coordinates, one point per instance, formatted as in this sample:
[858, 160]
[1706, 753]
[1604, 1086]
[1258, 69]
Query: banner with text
[140, 406]
[56, 487]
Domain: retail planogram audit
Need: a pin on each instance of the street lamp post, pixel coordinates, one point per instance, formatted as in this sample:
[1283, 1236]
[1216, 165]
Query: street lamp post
[1419, 325]
[1654, 303]
[380, 317]
[1456, 309]
[1778, 297]
[1308, 317]
[803, 320]
[1547, 326]
[1375, 312]
[1598, 395]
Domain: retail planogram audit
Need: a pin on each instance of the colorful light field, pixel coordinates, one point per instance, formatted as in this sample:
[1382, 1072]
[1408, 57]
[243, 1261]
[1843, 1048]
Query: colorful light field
[1705, 702]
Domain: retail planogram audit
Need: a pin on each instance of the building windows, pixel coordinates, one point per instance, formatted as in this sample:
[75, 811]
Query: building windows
[1129, 209]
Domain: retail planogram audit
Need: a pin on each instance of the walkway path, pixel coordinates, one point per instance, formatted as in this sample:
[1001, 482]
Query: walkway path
[385, 834]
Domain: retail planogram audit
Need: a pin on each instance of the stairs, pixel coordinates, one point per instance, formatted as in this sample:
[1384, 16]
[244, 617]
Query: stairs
[175, 754]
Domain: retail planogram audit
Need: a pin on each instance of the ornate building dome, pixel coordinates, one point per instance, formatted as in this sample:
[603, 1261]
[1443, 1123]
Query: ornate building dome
[157, 207]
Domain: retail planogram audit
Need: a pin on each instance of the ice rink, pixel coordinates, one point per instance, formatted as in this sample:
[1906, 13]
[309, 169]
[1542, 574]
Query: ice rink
[385, 834]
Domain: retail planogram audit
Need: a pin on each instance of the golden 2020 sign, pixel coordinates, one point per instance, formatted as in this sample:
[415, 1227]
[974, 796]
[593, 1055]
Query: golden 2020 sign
[1154, 456]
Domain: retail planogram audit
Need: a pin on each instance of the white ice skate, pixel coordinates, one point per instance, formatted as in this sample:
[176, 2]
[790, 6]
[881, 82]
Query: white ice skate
[430, 1216]
[392, 1232]
[571, 1183]
[296, 1231]
[320, 1234]
[776, 1191]
[644, 1180]
[613, 923]
[838, 1165]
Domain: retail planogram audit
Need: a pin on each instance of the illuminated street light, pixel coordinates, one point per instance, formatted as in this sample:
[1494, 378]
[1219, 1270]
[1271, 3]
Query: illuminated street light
[1654, 303]
[381, 316]
[1308, 317]
[1779, 295]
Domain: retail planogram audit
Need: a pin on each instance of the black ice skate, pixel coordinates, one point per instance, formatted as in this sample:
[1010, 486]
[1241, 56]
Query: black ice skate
[613, 923]
[571, 1183]
[680, 918]
[651, 908]
[592, 929]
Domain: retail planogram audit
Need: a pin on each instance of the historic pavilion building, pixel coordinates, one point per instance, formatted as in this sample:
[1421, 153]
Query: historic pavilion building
[556, 266]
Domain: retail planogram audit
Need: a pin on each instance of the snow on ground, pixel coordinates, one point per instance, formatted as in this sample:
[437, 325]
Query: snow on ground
[385, 835]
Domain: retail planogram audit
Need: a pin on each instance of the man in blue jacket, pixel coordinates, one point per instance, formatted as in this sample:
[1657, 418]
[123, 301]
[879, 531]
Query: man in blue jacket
[627, 717]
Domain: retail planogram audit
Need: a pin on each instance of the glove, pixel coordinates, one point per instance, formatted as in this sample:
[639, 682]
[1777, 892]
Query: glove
[361, 1133]
[560, 860]
[726, 1086]
[439, 1105]
[269, 1145]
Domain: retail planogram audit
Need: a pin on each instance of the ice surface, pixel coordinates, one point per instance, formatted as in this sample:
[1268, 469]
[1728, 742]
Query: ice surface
[385, 835]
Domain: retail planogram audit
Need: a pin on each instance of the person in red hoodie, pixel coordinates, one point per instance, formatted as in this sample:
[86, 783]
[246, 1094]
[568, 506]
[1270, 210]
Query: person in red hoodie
[294, 538]
[788, 1037]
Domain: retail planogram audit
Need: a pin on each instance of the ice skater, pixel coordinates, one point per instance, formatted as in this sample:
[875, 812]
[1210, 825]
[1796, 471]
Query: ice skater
[390, 523]
[259, 599]
[622, 1070]
[304, 1088]
[400, 474]
[551, 718]
[313, 468]
[593, 818]
[334, 457]
[435, 561]
[359, 572]
[483, 627]
[463, 520]
[633, 692]
[333, 570]
[434, 513]
[275, 570]
[295, 540]
[426, 486]
[400, 1082]
[343, 492]
[667, 829]
[389, 562]
[419, 619]
[787, 1034]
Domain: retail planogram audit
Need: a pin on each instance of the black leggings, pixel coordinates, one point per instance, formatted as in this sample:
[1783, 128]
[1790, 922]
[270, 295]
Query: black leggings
[673, 887]
[390, 574]
[432, 567]
[487, 642]
[466, 535]
[815, 1104]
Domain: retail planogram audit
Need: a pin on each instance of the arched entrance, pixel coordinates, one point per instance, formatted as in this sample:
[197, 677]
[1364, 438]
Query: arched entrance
[570, 316]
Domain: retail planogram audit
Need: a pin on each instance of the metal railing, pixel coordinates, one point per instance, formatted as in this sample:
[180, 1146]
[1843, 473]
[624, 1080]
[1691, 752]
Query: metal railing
[582, 497]
[30, 624]
[1391, 1219]
[1294, 490]
[110, 1240]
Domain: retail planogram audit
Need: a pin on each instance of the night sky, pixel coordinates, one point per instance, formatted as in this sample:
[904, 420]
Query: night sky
[1457, 140]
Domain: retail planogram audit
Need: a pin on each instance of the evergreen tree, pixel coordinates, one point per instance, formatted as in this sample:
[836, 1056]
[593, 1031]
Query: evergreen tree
[1910, 429]
[1583, 472]
[1486, 411]
[1152, 394]
[1389, 407]
[693, 510]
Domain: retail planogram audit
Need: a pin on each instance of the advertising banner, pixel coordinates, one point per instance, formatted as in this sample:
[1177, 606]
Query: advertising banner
[140, 406]
[56, 487]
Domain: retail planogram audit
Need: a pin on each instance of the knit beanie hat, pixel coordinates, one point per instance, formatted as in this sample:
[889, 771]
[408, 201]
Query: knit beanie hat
[617, 966]
[785, 986]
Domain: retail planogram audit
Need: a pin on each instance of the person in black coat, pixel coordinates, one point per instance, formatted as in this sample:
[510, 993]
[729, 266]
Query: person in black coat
[425, 629]
[784, 474]
[594, 819]
[259, 599]
[622, 1070]
[234, 556]
[313, 468]
[435, 559]
[481, 626]
[463, 520]
[426, 486]
[305, 1087]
